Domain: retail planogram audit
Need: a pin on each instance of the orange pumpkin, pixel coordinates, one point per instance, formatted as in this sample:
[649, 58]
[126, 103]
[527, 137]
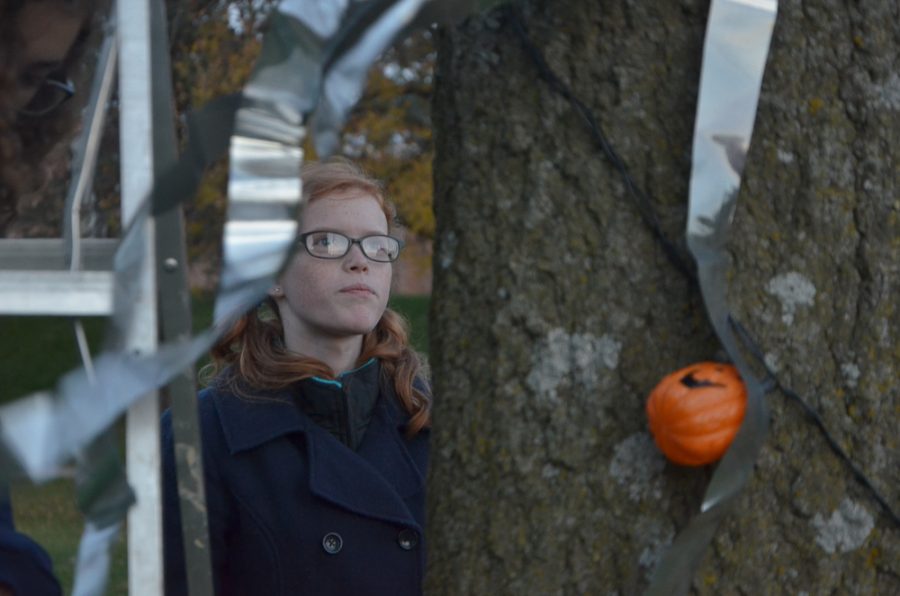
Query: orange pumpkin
[695, 412]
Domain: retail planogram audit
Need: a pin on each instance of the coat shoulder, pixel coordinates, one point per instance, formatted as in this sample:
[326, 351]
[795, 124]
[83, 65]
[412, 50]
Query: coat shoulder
[207, 418]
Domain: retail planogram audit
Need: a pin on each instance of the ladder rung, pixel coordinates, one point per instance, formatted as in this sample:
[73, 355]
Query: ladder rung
[56, 293]
[39, 254]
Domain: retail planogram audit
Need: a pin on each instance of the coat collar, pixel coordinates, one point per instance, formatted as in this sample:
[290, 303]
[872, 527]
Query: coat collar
[250, 422]
[374, 481]
[343, 406]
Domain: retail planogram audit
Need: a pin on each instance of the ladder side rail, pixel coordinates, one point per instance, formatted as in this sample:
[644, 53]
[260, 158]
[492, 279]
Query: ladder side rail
[145, 568]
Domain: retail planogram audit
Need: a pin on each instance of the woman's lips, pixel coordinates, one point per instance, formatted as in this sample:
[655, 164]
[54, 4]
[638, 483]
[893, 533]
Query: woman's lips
[358, 289]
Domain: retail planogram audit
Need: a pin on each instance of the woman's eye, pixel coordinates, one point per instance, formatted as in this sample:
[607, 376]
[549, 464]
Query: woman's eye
[323, 240]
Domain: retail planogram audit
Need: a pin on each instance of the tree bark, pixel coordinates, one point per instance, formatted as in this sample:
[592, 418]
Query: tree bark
[555, 311]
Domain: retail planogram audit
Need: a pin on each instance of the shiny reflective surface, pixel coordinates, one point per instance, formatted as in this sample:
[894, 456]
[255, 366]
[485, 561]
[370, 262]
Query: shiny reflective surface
[734, 58]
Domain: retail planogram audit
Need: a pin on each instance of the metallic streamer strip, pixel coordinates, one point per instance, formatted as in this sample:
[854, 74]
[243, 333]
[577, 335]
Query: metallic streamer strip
[264, 178]
[94, 559]
[93, 553]
[85, 158]
[347, 75]
[84, 163]
[103, 496]
[734, 57]
[368, 29]
[43, 430]
[84, 350]
[322, 17]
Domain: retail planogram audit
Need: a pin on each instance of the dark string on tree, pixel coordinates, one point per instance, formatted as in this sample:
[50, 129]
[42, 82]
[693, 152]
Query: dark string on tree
[811, 414]
[644, 205]
[675, 256]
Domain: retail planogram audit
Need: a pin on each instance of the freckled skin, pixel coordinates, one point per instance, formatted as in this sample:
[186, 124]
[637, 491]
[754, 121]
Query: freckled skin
[320, 316]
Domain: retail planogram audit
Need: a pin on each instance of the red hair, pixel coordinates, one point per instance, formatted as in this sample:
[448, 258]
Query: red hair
[251, 356]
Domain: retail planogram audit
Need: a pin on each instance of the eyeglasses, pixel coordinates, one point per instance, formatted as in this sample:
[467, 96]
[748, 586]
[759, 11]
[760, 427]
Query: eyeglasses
[333, 245]
[51, 94]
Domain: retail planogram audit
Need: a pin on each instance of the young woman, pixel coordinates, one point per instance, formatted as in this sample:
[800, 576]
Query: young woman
[314, 430]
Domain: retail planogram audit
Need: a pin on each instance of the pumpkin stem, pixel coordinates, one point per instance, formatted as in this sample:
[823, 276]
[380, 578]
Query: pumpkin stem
[688, 380]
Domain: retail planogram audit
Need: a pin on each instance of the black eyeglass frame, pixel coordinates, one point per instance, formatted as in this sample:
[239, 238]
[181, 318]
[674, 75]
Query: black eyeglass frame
[351, 241]
[67, 88]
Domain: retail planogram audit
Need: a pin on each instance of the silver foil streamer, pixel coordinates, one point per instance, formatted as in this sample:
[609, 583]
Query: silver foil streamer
[347, 76]
[734, 58]
[94, 559]
[264, 190]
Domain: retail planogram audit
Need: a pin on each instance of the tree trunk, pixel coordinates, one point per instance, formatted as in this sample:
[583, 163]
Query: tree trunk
[555, 311]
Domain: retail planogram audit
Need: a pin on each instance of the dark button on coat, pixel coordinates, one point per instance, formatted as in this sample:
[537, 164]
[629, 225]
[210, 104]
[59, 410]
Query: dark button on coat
[277, 485]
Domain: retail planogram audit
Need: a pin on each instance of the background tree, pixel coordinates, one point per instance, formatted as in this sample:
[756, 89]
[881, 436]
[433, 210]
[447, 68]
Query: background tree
[555, 311]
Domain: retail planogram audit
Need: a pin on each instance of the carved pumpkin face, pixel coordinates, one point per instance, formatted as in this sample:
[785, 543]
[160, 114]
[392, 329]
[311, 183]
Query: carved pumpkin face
[694, 413]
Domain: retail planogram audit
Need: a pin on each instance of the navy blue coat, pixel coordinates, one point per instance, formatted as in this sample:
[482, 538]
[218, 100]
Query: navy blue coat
[292, 510]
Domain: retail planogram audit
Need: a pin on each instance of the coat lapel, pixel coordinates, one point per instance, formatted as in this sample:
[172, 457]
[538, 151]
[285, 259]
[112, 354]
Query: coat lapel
[249, 423]
[373, 481]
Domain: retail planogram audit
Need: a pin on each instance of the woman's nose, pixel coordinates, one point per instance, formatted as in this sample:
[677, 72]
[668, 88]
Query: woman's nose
[355, 259]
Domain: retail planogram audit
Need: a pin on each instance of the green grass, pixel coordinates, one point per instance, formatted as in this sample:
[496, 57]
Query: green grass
[34, 352]
[48, 514]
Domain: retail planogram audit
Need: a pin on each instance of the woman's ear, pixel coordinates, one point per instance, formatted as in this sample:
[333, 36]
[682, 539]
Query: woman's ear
[276, 292]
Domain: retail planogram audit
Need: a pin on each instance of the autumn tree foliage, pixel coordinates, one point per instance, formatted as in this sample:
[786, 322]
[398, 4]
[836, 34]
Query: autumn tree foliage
[390, 129]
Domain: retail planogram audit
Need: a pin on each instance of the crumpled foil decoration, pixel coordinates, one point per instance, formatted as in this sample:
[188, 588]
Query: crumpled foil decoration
[734, 59]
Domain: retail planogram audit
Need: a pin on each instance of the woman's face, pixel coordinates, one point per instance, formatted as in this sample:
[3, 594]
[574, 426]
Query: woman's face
[335, 298]
[48, 28]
